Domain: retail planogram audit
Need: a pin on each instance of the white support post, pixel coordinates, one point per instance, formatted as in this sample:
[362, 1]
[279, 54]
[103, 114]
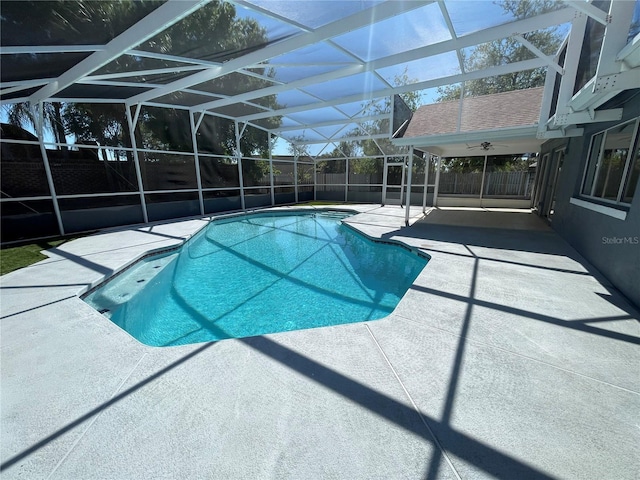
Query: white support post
[484, 172]
[547, 98]
[271, 179]
[194, 140]
[295, 177]
[409, 172]
[384, 180]
[238, 155]
[346, 179]
[136, 160]
[437, 185]
[402, 179]
[315, 180]
[39, 117]
[460, 106]
[426, 181]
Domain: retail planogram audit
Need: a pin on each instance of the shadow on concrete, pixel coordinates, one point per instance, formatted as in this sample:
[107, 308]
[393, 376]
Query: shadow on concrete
[508, 262]
[99, 409]
[545, 242]
[483, 457]
[580, 324]
[493, 462]
[55, 285]
[39, 306]
[622, 303]
[445, 419]
[96, 267]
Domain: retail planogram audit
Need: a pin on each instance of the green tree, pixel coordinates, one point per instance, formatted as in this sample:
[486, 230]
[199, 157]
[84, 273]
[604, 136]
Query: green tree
[57, 20]
[104, 123]
[213, 32]
[21, 115]
[462, 164]
[374, 147]
[506, 51]
[366, 166]
[297, 148]
[343, 149]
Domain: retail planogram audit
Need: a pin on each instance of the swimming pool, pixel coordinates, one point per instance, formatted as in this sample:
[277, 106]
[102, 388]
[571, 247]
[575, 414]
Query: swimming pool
[256, 274]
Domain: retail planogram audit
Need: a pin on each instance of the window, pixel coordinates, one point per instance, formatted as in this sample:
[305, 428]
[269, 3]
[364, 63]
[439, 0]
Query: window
[613, 164]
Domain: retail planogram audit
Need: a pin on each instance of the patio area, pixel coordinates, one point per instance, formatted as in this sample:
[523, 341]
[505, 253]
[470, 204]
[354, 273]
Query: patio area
[510, 357]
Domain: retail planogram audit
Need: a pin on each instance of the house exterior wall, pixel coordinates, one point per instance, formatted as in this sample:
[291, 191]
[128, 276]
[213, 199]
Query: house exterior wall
[610, 244]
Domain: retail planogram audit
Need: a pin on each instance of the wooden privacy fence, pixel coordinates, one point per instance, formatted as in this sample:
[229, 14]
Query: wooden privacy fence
[496, 184]
[512, 184]
[453, 183]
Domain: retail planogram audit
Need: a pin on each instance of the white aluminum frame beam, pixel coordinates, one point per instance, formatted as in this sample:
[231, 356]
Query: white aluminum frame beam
[609, 78]
[158, 20]
[549, 89]
[590, 10]
[563, 133]
[617, 81]
[275, 89]
[539, 53]
[586, 99]
[483, 36]
[194, 125]
[24, 86]
[172, 58]
[572, 57]
[330, 123]
[344, 25]
[345, 139]
[138, 73]
[591, 116]
[38, 117]
[489, 72]
[615, 38]
[269, 13]
[28, 49]
[629, 56]
[409, 179]
[452, 31]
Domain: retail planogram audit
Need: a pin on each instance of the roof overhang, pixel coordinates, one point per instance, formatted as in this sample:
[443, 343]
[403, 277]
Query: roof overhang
[503, 142]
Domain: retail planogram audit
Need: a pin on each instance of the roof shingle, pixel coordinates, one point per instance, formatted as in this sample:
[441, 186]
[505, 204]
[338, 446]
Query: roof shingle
[516, 108]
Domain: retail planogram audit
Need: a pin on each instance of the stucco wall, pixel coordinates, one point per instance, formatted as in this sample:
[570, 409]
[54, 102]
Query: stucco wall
[610, 244]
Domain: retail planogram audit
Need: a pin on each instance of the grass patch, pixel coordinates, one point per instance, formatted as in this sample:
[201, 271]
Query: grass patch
[13, 258]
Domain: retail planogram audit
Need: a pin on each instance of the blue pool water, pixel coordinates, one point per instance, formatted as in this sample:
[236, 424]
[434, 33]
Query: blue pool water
[258, 274]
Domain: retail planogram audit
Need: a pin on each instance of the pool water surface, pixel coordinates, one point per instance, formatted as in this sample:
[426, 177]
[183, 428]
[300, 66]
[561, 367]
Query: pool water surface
[256, 274]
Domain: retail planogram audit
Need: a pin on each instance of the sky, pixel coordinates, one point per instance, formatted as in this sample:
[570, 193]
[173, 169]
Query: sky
[419, 27]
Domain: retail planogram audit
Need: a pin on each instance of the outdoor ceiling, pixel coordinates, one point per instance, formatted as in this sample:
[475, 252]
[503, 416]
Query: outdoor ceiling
[304, 70]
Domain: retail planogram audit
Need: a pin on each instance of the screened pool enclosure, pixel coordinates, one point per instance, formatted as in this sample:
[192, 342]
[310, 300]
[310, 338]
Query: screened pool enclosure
[127, 112]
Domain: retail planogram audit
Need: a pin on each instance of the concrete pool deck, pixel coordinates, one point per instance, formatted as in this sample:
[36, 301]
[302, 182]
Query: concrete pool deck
[510, 357]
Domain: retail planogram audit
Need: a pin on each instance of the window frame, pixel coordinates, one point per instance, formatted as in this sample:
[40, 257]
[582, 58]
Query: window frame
[633, 146]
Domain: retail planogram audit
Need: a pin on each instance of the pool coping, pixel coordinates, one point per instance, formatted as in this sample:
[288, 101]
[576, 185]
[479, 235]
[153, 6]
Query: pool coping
[264, 212]
[169, 249]
[531, 375]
